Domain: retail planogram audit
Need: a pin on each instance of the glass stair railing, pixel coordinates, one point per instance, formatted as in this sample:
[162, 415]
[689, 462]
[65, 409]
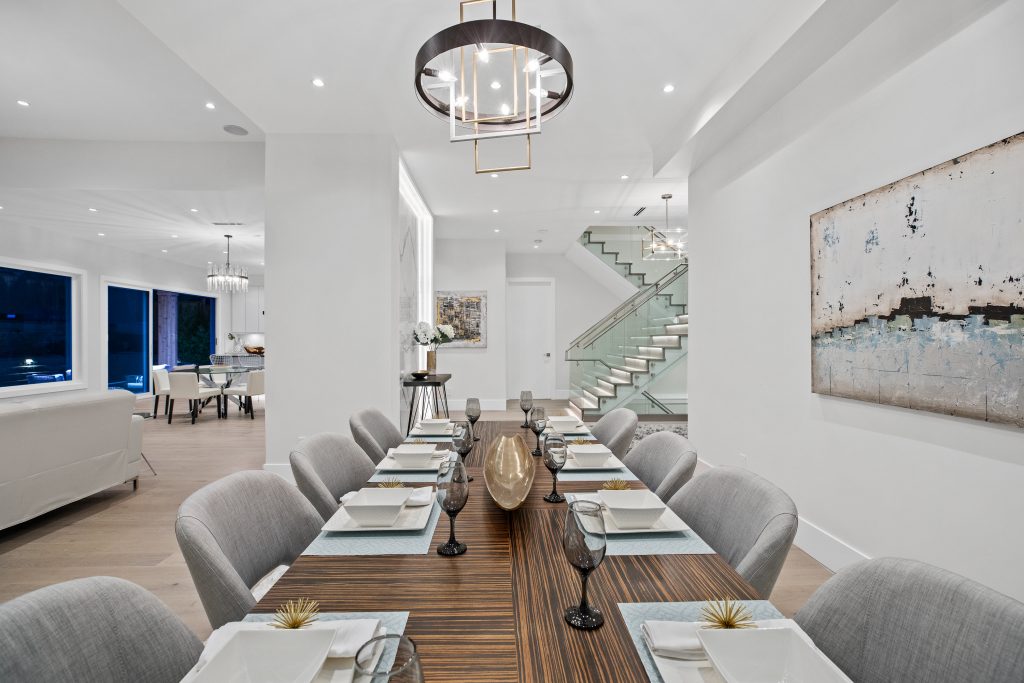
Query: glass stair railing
[620, 360]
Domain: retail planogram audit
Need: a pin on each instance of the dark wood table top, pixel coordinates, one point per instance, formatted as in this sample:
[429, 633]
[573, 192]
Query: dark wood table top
[495, 613]
[428, 381]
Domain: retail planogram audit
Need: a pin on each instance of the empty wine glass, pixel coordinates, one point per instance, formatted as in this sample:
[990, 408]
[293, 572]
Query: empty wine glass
[451, 496]
[462, 440]
[554, 460]
[373, 656]
[473, 414]
[526, 405]
[584, 543]
[538, 422]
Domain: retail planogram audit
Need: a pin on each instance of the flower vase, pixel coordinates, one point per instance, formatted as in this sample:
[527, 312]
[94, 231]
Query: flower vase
[431, 362]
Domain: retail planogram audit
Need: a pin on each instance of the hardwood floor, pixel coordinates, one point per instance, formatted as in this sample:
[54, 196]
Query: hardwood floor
[129, 534]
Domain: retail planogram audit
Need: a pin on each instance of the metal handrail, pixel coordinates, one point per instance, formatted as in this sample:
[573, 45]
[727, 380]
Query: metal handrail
[601, 327]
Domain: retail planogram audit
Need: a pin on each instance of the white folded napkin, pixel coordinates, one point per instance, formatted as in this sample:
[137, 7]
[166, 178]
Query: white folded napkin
[421, 495]
[349, 636]
[673, 639]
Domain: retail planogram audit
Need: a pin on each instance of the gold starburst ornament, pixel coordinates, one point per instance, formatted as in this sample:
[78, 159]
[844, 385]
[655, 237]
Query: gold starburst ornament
[726, 613]
[391, 483]
[615, 485]
[296, 613]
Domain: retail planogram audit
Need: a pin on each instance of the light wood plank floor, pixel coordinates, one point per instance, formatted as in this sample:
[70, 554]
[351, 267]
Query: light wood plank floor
[129, 534]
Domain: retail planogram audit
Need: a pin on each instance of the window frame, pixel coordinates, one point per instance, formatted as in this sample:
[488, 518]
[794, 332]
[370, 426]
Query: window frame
[106, 283]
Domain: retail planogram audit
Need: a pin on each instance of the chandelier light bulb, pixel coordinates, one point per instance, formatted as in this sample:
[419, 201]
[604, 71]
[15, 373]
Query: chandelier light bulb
[495, 85]
[461, 100]
[483, 54]
[532, 66]
[447, 76]
[505, 110]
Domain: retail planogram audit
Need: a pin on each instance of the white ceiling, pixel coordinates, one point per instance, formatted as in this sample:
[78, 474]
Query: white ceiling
[142, 70]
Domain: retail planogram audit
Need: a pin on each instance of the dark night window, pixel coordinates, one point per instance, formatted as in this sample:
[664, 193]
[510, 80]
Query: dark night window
[35, 327]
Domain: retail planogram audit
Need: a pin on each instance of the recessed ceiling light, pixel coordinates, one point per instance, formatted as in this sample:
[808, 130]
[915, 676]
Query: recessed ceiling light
[668, 88]
[194, 210]
[23, 103]
[318, 82]
[174, 237]
[494, 211]
[536, 246]
[262, 263]
[164, 250]
[209, 263]
[1, 208]
[495, 85]
[597, 210]
[102, 234]
[93, 210]
[494, 175]
[497, 230]
[211, 105]
[623, 177]
[223, 252]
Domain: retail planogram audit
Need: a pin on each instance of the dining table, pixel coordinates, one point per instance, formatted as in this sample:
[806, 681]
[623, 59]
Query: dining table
[495, 614]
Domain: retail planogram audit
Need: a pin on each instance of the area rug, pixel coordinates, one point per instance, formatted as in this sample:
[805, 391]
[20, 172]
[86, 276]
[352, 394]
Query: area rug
[648, 428]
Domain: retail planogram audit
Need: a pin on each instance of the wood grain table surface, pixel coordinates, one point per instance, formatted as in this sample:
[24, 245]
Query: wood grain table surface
[495, 613]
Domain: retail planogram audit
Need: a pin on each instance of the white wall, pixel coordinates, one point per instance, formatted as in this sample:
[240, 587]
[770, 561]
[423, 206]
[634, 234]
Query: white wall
[475, 265]
[580, 301]
[24, 243]
[867, 479]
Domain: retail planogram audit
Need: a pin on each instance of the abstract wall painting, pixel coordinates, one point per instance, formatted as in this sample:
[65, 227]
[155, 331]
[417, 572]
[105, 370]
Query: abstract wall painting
[467, 313]
[917, 290]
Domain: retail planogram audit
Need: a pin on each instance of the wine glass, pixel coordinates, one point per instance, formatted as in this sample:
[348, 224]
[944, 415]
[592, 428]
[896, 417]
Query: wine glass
[526, 405]
[462, 440]
[584, 543]
[538, 421]
[371, 663]
[451, 496]
[473, 414]
[554, 460]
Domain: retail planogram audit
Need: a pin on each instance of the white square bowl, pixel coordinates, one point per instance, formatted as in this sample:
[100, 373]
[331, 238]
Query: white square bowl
[638, 509]
[564, 422]
[767, 655]
[434, 425]
[590, 455]
[377, 507]
[272, 655]
[413, 454]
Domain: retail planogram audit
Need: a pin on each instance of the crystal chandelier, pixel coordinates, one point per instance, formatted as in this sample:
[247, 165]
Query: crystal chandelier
[227, 278]
[668, 244]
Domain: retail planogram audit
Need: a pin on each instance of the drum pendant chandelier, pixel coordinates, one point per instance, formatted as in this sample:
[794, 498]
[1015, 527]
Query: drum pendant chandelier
[493, 78]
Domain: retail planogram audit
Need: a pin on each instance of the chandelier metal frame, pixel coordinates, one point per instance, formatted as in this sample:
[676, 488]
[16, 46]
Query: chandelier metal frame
[227, 278]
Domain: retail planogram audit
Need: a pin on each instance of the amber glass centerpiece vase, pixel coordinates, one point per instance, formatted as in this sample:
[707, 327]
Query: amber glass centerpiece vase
[509, 470]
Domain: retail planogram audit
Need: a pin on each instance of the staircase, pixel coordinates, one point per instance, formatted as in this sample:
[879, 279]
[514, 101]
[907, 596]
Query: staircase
[619, 360]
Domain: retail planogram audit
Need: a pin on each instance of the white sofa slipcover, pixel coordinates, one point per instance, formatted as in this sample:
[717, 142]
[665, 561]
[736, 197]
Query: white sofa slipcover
[57, 449]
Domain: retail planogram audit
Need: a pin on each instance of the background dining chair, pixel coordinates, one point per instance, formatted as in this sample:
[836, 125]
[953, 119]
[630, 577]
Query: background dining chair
[615, 430]
[161, 385]
[663, 461]
[185, 385]
[891, 619]
[254, 386]
[327, 466]
[238, 530]
[745, 518]
[94, 630]
[374, 433]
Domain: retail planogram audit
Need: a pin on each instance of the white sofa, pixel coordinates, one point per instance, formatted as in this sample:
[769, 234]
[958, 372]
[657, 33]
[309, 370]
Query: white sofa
[57, 449]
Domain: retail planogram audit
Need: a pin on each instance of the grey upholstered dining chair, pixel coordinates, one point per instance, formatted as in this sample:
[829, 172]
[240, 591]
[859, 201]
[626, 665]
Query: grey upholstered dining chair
[374, 433]
[901, 620]
[745, 518]
[237, 531]
[327, 466]
[663, 461]
[615, 430]
[94, 630]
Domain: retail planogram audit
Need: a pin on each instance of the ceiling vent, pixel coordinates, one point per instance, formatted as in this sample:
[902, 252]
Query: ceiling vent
[228, 223]
[640, 210]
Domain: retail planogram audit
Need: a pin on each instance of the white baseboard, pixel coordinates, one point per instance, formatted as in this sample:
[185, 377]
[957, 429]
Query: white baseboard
[485, 404]
[281, 470]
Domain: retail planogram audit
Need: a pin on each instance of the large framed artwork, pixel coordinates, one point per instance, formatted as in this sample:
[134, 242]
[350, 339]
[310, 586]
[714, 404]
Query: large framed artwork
[917, 290]
[467, 313]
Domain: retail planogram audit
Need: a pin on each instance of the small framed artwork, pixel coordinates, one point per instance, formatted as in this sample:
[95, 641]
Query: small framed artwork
[467, 313]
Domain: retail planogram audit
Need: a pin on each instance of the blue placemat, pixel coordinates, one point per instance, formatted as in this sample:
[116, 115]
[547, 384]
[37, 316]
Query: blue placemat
[636, 613]
[394, 622]
[376, 542]
[596, 475]
[676, 543]
[428, 438]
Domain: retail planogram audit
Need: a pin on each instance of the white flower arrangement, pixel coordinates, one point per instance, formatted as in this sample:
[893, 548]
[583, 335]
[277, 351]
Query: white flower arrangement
[433, 336]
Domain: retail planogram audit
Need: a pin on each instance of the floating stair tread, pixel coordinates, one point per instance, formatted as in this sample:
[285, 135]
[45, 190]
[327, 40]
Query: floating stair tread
[611, 379]
[598, 391]
[583, 403]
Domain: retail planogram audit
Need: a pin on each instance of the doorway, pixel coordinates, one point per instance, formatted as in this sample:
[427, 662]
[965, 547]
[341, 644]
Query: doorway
[531, 337]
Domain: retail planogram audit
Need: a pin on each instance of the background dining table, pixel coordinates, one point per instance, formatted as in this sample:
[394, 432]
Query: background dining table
[496, 613]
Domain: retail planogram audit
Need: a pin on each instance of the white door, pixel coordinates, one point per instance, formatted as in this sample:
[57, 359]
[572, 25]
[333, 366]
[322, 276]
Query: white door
[531, 337]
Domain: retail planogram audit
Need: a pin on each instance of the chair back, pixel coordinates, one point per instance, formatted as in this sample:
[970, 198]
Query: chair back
[160, 380]
[94, 630]
[327, 466]
[374, 433]
[255, 384]
[901, 620]
[745, 518]
[234, 531]
[663, 461]
[184, 385]
[616, 429]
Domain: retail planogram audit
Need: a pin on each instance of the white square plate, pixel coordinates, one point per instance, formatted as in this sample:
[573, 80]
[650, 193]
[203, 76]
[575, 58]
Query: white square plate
[416, 447]
[767, 655]
[389, 464]
[268, 656]
[409, 519]
[612, 463]
[668, 523]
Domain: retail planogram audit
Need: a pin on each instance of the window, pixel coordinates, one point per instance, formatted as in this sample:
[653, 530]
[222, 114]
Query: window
[128, 339]
[36, 321]
[184, 328]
